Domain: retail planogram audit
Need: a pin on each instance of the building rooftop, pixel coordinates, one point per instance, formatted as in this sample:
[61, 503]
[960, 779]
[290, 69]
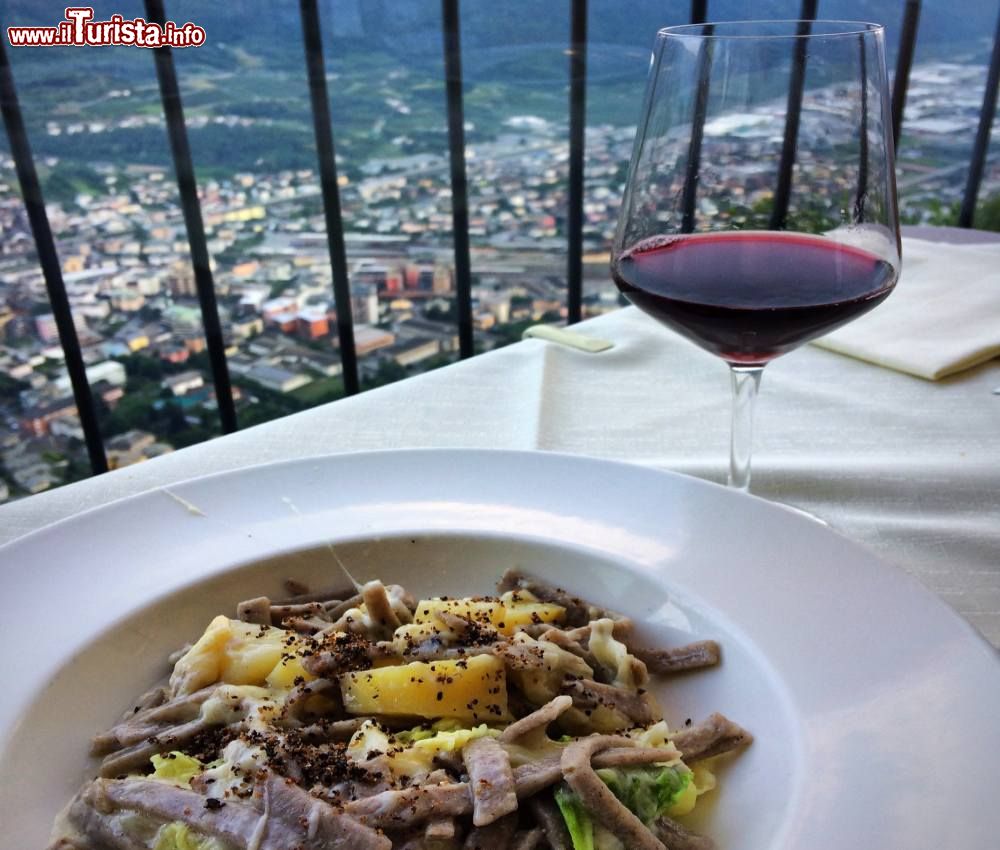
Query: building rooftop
[182, 378]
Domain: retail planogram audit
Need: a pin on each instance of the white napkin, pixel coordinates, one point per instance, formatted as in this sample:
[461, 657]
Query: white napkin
[943, 317]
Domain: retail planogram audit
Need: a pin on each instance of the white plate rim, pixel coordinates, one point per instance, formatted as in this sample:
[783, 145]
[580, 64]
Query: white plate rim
[947, 619]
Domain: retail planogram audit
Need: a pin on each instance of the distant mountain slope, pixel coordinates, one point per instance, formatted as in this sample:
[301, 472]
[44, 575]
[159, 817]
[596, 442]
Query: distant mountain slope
[384, 58]
[411, 28]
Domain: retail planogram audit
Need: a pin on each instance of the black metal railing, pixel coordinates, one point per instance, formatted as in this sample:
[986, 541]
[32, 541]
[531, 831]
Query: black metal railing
[326, 154]
[904, 61]
[173, 111]
[577, 137]
[796, 88]
[319, 99]
[692, 169]
[982, 143]
[48, 258]
[450, 28]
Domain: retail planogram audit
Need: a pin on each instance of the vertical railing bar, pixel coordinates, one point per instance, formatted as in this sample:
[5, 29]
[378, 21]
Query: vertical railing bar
[689, 194]
[978, 162]
[862, 189]
[48, 258]
[699, 11]
[450, 29]
[326, 156]
[796, 86]
[904, 62]
[577, 140]
[173, 111]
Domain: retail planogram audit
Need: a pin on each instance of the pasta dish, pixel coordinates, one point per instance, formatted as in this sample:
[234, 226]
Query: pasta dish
[365, 719]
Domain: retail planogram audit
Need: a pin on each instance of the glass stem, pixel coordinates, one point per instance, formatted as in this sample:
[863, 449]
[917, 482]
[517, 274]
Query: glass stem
[746, 381]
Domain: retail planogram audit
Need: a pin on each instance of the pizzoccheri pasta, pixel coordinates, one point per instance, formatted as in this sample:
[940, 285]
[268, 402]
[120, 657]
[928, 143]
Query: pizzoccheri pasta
[370, 720]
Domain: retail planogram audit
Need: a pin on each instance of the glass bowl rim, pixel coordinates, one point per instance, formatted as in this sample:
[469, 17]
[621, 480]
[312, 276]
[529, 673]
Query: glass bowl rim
[850, 28]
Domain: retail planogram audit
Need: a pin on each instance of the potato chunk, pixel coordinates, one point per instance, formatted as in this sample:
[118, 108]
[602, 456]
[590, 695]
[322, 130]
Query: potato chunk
[238, 653]
[473, 689]
[287, 671]
[251, 653]
[201, 665]
[478, 610]
[521, 614]
[505, 615]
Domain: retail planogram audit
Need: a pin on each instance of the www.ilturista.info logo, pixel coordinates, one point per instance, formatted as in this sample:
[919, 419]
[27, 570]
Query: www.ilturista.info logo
[79, 29]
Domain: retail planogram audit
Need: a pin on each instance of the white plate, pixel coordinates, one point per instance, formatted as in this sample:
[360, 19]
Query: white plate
[874, 706]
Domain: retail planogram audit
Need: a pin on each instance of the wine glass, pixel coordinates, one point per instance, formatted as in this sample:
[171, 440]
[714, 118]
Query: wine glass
[760, 208]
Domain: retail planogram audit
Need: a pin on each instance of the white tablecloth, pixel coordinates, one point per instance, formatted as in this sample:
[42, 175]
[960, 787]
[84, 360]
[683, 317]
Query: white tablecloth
[908, 467]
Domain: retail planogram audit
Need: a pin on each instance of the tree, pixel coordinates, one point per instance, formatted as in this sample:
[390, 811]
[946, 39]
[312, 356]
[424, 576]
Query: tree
[435, 313]
[511, 331]
[988, 214]
[142, 367]
[11, 387]
[174, 419]
[939, 214]
[388, 372]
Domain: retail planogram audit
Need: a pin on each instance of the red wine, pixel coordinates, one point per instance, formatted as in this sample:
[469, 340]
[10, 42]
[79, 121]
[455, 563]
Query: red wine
[751, 296]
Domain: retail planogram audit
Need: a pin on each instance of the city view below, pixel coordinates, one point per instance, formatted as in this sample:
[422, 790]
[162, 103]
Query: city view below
[126, 264]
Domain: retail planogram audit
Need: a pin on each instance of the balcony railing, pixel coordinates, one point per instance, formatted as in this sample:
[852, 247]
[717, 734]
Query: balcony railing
[319, 98]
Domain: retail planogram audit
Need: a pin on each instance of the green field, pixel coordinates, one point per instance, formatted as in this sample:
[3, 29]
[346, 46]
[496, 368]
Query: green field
[320, 391]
